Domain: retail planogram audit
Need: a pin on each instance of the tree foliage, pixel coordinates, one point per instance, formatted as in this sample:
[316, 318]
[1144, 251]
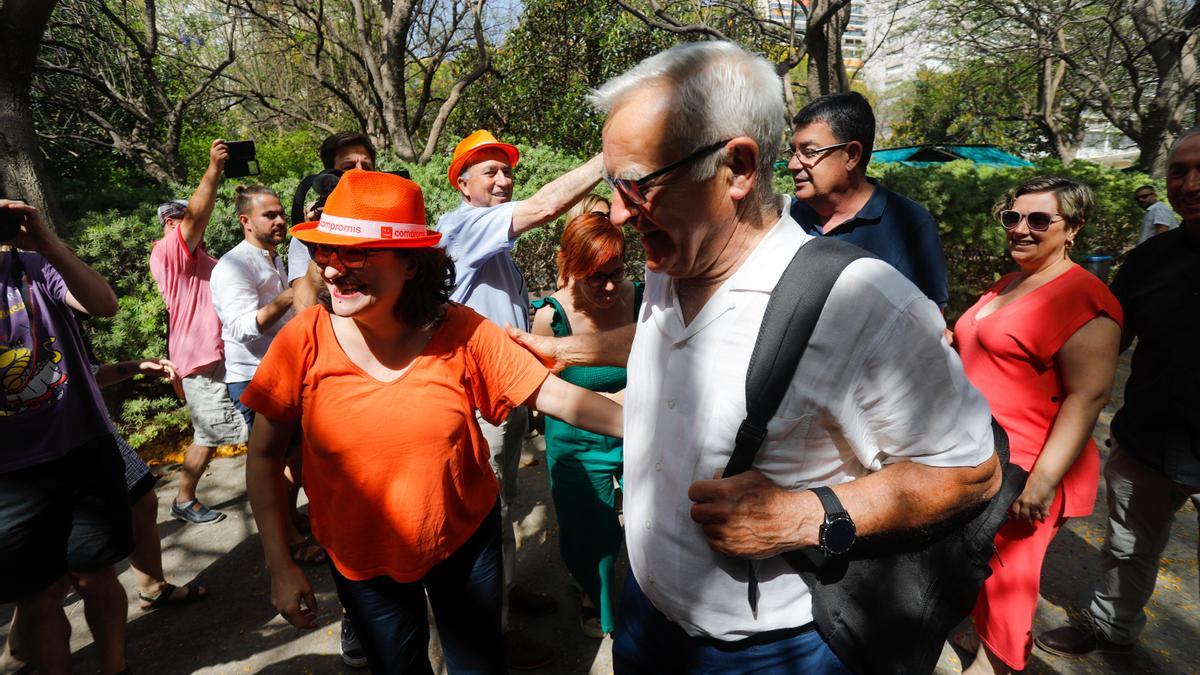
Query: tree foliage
[1137, 62]
[974, 103]
[536, 91]
[789, 33]
[126, 77]
[383, 65]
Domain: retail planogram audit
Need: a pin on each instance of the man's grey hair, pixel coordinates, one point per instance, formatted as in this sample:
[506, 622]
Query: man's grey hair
[1182, 137]
[720, 91]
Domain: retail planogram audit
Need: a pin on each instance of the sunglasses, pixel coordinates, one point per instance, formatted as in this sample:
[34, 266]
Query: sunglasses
[633, 191]
[600, 280]
[1039, 221]
[351, 257]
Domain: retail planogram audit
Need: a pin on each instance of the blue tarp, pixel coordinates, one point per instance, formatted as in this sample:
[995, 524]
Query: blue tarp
[929, 155]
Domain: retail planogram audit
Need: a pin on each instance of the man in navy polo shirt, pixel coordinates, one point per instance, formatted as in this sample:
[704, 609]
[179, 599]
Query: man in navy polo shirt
[831, 144]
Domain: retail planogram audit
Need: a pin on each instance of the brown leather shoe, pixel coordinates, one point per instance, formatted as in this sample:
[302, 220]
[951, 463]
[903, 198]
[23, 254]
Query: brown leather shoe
[1078, 641]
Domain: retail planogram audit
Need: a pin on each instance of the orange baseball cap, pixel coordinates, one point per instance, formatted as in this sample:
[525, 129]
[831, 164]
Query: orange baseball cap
[371, 209]
[472, 144]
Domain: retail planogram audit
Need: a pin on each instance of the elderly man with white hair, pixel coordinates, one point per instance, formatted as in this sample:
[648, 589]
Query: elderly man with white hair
[879, 408]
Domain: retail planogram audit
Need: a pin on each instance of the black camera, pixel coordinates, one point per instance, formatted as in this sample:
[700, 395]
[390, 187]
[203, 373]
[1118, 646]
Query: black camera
[10, 224]
[322, 184]
[243, 159]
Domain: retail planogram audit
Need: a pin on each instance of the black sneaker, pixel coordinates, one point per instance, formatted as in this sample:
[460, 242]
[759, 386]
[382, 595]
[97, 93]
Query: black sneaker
[352, 650]
[196, 513]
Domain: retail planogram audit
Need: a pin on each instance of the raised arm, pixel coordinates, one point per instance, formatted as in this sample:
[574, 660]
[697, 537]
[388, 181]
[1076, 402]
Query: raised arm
[200, 206]
[556, 197]
[1088, 362]
[87, 291]
[291, 593]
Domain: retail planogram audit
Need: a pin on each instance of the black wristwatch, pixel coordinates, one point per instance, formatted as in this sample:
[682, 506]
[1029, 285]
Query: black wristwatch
[838, 533]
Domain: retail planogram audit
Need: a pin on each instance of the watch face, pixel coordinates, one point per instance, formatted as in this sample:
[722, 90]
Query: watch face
[839, 535]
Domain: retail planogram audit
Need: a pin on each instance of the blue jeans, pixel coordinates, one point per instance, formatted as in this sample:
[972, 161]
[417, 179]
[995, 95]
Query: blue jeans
[464, 590]
[647, 642]
[235, 395]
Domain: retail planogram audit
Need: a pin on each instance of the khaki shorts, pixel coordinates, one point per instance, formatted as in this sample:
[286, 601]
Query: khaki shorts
[215, 420]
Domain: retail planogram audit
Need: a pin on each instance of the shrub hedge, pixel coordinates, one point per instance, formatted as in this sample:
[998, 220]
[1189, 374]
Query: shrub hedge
[959, 195]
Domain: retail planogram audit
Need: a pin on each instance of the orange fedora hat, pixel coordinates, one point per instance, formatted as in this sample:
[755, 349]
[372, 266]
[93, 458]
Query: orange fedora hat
[472, 144]
[371, 209]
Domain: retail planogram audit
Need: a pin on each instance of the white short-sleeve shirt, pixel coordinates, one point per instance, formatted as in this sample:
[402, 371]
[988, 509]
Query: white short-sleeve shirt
[878, 384]
[246, 279]
[486, 278]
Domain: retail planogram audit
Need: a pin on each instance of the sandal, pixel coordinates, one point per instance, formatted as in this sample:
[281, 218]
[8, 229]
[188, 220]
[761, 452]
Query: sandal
[589, 622]
[308, 553]
[167, 596]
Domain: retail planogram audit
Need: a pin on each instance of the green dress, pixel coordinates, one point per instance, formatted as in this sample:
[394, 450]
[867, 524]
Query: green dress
[583, 467]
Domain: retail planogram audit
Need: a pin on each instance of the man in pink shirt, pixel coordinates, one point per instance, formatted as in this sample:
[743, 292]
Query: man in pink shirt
[182, 269]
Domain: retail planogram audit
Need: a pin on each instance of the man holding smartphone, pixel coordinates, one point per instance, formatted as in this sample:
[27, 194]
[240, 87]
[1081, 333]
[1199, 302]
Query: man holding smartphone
[182, 269]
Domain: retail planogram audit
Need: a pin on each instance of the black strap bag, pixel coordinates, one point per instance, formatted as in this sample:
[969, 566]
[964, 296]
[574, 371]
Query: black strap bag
[888, 605]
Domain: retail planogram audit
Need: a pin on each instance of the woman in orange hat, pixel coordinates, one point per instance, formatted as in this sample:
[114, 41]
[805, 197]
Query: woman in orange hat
[386, 381]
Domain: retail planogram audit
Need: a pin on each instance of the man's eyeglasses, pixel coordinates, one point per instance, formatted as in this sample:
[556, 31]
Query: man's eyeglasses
[1145, 195]
[1039, 221]
[600, 280]
[633, 190]
[808, 157]
[351, 257]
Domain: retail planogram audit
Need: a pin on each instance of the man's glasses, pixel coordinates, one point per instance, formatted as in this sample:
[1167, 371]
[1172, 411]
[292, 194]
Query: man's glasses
[1039, 221]
[600, 280]
[1144, 196]
[809, 157]
[351, 257]
[633, 190]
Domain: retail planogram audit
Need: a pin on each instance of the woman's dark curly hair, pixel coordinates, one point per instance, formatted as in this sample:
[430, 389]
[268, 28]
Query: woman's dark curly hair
[425, 295]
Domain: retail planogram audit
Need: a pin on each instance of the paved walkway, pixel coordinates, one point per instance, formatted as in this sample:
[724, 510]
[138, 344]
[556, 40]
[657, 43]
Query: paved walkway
[236, 631]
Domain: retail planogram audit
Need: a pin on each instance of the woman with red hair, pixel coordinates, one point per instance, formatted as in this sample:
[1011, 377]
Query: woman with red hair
[593, 296]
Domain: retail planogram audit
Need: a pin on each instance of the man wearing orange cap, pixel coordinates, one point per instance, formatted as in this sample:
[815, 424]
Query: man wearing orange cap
[479, 236]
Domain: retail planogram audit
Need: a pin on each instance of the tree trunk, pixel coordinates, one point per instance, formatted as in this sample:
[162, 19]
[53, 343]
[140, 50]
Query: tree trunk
[22, 173]
[826, 68]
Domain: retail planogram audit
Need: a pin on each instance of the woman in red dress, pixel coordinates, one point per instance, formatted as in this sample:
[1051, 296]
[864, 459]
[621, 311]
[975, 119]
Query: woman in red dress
[1041, 345]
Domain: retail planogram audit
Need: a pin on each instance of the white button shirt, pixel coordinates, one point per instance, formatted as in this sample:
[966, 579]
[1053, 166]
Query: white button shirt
[246, 279]
[877, 385]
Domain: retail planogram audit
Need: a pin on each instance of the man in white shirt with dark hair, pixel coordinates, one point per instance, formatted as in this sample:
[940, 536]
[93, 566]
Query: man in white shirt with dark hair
[250, 289]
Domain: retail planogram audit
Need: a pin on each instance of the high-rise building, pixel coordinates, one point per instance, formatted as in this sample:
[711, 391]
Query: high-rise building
[854, 38]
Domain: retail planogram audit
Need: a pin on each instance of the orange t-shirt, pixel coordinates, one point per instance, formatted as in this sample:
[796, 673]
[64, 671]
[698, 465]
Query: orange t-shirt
[396, 473]
[1009, 355]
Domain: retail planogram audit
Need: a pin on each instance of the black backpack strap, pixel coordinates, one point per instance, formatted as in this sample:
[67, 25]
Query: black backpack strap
[298, 196]
[788, 323]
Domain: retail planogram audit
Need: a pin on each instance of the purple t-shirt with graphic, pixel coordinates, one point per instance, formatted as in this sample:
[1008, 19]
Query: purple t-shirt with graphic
[51, 403]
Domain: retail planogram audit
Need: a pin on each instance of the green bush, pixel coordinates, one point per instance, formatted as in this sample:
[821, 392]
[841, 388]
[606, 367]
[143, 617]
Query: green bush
[960, 196]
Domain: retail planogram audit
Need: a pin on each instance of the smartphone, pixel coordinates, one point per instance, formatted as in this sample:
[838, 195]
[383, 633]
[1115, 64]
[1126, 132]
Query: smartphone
[10, 224]
[243, 159]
